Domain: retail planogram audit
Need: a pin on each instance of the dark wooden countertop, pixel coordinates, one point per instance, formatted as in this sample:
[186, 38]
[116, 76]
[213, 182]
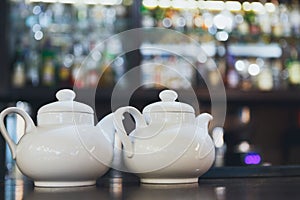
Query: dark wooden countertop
[127, 186]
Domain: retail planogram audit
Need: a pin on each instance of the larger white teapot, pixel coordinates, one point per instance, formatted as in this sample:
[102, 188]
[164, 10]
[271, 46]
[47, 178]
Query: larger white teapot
[65, 148]
[169, 144]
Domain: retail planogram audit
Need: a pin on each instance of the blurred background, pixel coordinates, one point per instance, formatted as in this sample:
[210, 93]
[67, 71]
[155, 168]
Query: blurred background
[254, 44]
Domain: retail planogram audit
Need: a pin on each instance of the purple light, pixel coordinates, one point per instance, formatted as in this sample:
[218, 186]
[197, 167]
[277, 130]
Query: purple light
[252, 159]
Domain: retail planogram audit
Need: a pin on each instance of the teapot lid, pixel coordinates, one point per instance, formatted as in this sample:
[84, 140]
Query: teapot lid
[66, 103]
[168, 104]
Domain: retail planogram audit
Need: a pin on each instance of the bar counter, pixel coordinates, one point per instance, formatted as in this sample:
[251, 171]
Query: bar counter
[116, 185]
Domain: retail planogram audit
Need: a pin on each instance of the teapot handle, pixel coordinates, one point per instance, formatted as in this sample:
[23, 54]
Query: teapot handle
[28, 124]
[118, 118]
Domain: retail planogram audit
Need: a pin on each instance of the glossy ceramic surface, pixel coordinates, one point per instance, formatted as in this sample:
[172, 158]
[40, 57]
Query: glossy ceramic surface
[66, 149]
[169, 144]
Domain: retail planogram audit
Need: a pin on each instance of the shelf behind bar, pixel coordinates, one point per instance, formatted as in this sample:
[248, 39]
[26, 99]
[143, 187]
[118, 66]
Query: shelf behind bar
[40, 94]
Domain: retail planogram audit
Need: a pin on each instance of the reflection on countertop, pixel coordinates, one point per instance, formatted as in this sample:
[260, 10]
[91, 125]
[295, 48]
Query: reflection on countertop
[127, 186]
[89, 192]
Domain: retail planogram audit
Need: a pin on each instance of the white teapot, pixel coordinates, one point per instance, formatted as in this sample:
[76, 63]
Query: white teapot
[66, 148]
[169, 144]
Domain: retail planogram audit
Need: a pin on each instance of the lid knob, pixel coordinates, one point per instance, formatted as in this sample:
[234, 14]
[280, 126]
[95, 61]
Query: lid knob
[65, 95]
[168, 95]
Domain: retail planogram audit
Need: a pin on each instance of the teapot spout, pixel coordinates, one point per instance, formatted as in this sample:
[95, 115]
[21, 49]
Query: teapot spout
[203, 120]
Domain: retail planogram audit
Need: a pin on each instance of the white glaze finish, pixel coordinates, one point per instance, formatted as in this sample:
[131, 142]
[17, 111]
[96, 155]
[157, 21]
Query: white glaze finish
[166, 147]
[66, 103]
[168, 104]
[64, 118]
[62, 184]
[59, 153]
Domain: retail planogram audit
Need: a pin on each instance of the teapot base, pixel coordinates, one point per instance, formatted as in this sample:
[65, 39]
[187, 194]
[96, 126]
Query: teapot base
[64, 183]
[169, 180]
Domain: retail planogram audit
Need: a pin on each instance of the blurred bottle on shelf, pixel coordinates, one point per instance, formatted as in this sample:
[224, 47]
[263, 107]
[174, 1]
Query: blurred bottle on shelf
[19, 73]
[293, 68]
[249, 73]
[166, 70]
[58, 27]
[19, 76]
[265, 77]
[252, 19]
[58, 36]
[147, 72]
[118, 66]
[33, 64]
[295, 18]
[233, 78]
[279, 75]
[246, 22]
[48, 70]
[64, 69]
[77, 74]
[106, 72]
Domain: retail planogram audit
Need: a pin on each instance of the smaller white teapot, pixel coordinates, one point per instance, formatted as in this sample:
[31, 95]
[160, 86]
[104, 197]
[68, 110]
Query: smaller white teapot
[66, 148]
[169, 144]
